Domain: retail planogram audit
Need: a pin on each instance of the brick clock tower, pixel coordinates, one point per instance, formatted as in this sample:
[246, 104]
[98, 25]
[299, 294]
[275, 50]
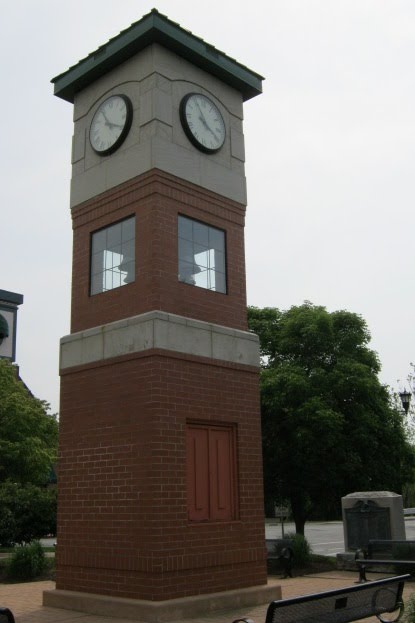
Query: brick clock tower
[160, 469]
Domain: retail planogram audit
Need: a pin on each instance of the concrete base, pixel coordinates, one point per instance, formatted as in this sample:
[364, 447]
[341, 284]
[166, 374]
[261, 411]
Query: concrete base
[161, 611]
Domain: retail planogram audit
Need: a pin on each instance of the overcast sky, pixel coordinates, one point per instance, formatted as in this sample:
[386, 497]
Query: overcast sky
[330, 148]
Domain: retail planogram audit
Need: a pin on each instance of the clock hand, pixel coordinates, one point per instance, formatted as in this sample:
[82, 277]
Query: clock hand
[203, 120]
[202, 116]
[110, 124]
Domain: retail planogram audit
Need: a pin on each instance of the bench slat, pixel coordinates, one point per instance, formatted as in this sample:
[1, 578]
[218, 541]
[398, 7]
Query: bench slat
[404, 550]
[385, 561]
[342, 605]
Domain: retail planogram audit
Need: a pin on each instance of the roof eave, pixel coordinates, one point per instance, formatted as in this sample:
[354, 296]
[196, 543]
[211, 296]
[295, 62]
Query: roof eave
[156, 28]
[11, 297]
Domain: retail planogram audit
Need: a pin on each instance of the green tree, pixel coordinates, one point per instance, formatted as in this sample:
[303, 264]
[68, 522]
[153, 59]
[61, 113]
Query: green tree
[28, 433]
[329, 425]
[27, 512]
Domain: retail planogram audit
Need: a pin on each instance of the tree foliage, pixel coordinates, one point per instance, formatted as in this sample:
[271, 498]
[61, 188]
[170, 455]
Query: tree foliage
[329, 426]
[28, 434]
[27, 512]
[28, 448]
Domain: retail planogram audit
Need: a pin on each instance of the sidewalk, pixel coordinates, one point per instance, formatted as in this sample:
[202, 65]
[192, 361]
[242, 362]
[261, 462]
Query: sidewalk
[25, 600]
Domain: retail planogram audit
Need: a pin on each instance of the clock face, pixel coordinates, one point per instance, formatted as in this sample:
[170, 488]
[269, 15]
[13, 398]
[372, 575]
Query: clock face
[110, 124]
[202, 122]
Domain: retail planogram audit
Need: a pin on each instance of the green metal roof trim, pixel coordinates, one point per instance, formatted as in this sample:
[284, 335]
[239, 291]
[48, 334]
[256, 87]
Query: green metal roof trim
[4, 328]
[11, 297]
[156, 28]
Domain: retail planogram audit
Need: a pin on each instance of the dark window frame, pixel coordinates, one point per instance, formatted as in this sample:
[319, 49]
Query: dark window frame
[127, 244]
[189, 269]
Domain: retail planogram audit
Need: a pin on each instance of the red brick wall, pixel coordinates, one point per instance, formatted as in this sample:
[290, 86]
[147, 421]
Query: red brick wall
[122, 519]
[156, 199]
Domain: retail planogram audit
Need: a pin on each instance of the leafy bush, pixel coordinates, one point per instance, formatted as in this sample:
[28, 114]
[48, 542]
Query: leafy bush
[28, 512]
[301, 549]
[409, 613]
[27, 562]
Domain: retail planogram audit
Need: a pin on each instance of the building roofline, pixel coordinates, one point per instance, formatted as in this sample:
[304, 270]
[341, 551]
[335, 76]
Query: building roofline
[156, 28]
[11, 297]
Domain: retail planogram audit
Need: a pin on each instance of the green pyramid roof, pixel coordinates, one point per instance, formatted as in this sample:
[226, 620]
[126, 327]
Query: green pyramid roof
[156, 28]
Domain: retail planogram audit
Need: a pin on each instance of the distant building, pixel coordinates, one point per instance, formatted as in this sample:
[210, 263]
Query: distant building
[9, 302]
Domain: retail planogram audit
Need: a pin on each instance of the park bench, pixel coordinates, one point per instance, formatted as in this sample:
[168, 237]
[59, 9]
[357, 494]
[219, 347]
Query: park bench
[381, 598]
[6, 616]
[400, 555]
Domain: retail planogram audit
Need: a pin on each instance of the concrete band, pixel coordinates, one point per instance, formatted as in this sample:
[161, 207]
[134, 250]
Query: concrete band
[159, 330]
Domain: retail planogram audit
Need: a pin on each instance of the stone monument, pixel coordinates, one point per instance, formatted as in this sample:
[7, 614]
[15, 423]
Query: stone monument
[372, 515]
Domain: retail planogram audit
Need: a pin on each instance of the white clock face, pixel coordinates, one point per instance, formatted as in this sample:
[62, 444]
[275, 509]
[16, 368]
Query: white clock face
[202, 122]
[110, 124]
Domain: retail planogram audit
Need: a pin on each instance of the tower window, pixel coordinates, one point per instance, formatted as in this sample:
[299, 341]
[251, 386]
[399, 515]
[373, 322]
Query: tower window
[113, 256]
[202, 255]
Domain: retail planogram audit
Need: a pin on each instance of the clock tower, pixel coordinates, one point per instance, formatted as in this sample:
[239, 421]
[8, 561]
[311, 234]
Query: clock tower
[160, 467]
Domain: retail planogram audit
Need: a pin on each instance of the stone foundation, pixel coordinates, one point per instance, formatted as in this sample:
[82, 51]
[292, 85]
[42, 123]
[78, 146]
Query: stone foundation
[161, 611]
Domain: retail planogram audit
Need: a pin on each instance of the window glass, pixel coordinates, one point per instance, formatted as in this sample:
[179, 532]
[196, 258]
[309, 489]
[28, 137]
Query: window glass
[201, 250]
[220, 281]
[185, 228]
[113, 256]
[98, 241]
[200, 233]
[114, 235]
[216, 239]
[219, 261]
[128, 229]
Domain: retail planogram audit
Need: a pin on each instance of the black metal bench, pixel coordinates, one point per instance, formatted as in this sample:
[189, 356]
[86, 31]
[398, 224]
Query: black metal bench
[394, 549]
[6, 616]
[398, 555]
[381, 598]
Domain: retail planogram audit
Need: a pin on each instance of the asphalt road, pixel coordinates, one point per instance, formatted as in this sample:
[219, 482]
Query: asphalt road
[326, 538]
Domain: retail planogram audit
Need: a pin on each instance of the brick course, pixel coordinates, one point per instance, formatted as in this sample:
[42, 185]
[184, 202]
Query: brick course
[156, 199]
[122, 520]
[123, 528]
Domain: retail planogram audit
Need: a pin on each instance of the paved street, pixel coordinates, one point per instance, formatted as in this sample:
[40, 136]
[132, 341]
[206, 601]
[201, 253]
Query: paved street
[327, 537]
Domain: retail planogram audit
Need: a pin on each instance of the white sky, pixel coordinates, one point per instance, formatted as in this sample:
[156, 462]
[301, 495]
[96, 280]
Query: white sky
[330, 148]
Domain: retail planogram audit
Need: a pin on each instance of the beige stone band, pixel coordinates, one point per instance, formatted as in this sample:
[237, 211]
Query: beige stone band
[159, 330]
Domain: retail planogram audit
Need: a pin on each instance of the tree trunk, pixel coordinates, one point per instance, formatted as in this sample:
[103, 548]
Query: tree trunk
[298, 505]
[299, 525]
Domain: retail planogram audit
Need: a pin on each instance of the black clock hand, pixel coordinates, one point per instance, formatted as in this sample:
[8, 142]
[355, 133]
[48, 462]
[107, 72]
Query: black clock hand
[202, 116]
[110, 124]
[203, 120]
